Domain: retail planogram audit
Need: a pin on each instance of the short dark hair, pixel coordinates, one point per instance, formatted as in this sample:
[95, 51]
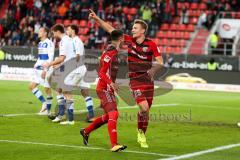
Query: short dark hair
[116, 34]
[58, 27]
[46, 29]
[74, 27]
[142, 23]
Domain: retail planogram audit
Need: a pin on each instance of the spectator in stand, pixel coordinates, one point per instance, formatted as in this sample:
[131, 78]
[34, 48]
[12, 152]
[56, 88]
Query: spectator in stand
[62, 11]
[146, 13]
[214, 39]
[184, 15]
[202, 20]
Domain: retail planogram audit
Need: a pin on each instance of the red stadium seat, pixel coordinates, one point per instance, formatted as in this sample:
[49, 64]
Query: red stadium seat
[125, 10]
[187, 4]
[190, 28]
[169, 50]
[133, 11]
[186, 35]
[165, 27]
[178, 35]
[173, 42]
[169, 34]
[182, 43]
[160, 34]
[179, 5]
[173, 27]
[83, 23]
[191, 13]
[66, 22]
[238, 15]
[83, 38]
[75, 22]
[193, 20]
[177, 50]
[203, 6]
[182, 27]
[59, 21]
[83, 31]
[194, 6]
[165, 42]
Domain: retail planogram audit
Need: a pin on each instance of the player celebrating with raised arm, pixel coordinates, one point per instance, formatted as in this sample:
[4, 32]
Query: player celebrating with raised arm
[78, 74]
[45, 56]
[141, 52]
[105, 90]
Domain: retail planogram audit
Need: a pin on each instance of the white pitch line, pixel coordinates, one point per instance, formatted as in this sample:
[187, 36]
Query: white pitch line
[130, 107]
[199, 153]
[83, 147]
[210, 106]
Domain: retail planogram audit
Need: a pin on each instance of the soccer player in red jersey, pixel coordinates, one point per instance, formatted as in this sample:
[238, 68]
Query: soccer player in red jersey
[105, 90]
[141, 52]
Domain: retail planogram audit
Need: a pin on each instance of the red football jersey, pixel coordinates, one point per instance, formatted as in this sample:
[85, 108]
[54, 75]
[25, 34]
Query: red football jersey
[140, 56]
[108, 68]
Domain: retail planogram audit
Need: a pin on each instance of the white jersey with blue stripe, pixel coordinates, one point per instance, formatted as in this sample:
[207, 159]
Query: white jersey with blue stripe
[66, 48]
[78, 46]
[45, 53]
[79, 50]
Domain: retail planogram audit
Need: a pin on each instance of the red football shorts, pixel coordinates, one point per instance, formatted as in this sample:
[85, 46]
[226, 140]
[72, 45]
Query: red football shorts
[142, 89]
[108, 100]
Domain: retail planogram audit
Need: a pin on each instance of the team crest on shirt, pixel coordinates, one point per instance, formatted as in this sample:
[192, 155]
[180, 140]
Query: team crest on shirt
[106, 59]
[145, 49]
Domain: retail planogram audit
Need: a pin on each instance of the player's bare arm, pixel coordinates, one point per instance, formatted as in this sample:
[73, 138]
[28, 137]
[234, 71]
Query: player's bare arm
[57, 61]
[107, 27]
[156, 67]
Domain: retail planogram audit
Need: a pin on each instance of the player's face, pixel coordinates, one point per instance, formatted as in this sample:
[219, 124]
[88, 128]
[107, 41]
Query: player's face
[41, 33]
[56, 35]
[137, 30]
[69, 31]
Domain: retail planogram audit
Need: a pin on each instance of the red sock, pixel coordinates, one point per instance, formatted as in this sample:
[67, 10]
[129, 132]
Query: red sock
[112, 127]
[96, 123]
[143, 121]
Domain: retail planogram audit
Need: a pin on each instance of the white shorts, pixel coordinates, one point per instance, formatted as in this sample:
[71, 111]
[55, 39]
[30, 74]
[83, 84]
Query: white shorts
[76, 78]
[37, 78]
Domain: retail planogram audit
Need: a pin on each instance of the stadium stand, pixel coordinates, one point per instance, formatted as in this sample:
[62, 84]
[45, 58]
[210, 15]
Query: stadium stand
[175, 25]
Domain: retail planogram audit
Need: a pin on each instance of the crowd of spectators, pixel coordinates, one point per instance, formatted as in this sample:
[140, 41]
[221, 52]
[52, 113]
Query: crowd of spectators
[23, 18]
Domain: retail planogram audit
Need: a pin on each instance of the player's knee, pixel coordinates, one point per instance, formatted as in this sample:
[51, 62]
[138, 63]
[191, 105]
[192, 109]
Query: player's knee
[84, 93]
[31, 86]
[113, 115]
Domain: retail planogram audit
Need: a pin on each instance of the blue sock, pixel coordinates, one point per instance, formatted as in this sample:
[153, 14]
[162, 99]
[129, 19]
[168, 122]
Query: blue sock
[49, 103]
[70, 115]
[61, 105]
[70, 107]
[89, 106]
[38, 94]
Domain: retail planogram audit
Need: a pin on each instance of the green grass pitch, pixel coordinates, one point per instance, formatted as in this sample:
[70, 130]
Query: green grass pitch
[182, 122]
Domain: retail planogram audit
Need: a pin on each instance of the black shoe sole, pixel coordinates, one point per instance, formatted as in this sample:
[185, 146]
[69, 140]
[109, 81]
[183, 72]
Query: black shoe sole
[121, 149]
[85, 140]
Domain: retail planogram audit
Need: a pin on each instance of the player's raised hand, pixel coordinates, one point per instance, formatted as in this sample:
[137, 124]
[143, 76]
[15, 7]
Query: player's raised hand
[92, 14]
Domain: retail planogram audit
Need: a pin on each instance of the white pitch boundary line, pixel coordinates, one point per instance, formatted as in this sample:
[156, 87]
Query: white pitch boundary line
[83, 147]
[130, 107]
[210, 106]
[199, 153]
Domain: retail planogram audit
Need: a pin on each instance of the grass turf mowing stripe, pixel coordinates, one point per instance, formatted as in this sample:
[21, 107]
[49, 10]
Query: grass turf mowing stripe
[84, 110]
[83, 147]
[194, 154]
